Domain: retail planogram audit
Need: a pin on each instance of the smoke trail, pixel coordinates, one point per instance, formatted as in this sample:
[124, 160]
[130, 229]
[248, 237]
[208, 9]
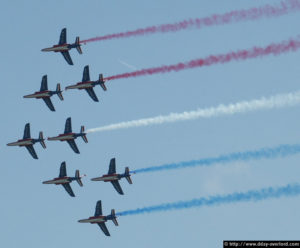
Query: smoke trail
[127, 65]
[275, 49]
[282, 8]
[263, 103]
[263, 153]
[252, 195]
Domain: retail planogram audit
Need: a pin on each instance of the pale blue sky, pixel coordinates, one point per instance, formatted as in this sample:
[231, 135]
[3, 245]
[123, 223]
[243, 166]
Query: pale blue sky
[37, 215]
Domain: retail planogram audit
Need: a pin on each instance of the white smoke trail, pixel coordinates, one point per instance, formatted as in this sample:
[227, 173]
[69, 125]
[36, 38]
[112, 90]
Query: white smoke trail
[127, 65]
[276, 101]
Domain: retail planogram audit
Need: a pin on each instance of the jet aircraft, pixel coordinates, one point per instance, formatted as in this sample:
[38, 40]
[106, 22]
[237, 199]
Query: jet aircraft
[99, 219]
[113, 177]
[28, 142]
[63, 47]
[88, 85]
[70, 137]
[45, 94]
[64, 180]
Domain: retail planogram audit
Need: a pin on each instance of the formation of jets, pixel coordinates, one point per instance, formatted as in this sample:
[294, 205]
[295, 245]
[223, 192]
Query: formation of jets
[112, 177]
[63, 47]
[69, 136]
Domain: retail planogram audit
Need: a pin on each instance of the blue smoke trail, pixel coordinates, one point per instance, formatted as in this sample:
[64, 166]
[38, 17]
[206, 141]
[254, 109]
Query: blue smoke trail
[253, 195]
[273, 152]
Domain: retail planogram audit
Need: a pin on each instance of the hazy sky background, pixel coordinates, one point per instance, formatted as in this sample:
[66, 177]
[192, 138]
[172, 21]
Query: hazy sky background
[37, 215]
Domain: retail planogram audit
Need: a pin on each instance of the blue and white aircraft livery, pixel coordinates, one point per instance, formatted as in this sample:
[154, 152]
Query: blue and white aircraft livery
[63, 47]
[28, 142]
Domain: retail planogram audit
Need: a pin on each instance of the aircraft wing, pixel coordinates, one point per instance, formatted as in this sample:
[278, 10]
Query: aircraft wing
[68, 126]
[68, 189]
[32, 151]
[67, 57]
[92, 94]
[98, 210]
[73, 145]
[112, 166]
[86, 74]
[104, 228]
[44, 84]
[117, 187]
[48, 102]
[63, 170]
[27, 131]
[63, 37]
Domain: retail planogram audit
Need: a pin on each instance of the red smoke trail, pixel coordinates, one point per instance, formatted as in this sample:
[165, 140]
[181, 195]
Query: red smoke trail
[282, 8]
[275, 49]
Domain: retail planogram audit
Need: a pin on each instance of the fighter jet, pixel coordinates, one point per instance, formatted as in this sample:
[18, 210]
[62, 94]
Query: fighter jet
[88, 85]
[64, 180]
[28, 142]
[70, 137]
[63, 47]
[45, 94]
[113, 177]
[100, 219]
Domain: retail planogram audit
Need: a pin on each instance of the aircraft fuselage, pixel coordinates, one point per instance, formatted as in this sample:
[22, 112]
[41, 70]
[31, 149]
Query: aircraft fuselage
[59, 180]
[94, 220]
[58, 48]
[40, 94]
[22, 142]
[82, 85]
[64, 137]
[107, 178]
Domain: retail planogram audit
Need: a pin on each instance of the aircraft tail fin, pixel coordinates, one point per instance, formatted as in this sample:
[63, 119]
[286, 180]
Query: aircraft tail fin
[114, 217]
[102, 82]
[83, 136]
[59, 92]
[127, 175]
[41, 140]
[77, 43]
[78, 177]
